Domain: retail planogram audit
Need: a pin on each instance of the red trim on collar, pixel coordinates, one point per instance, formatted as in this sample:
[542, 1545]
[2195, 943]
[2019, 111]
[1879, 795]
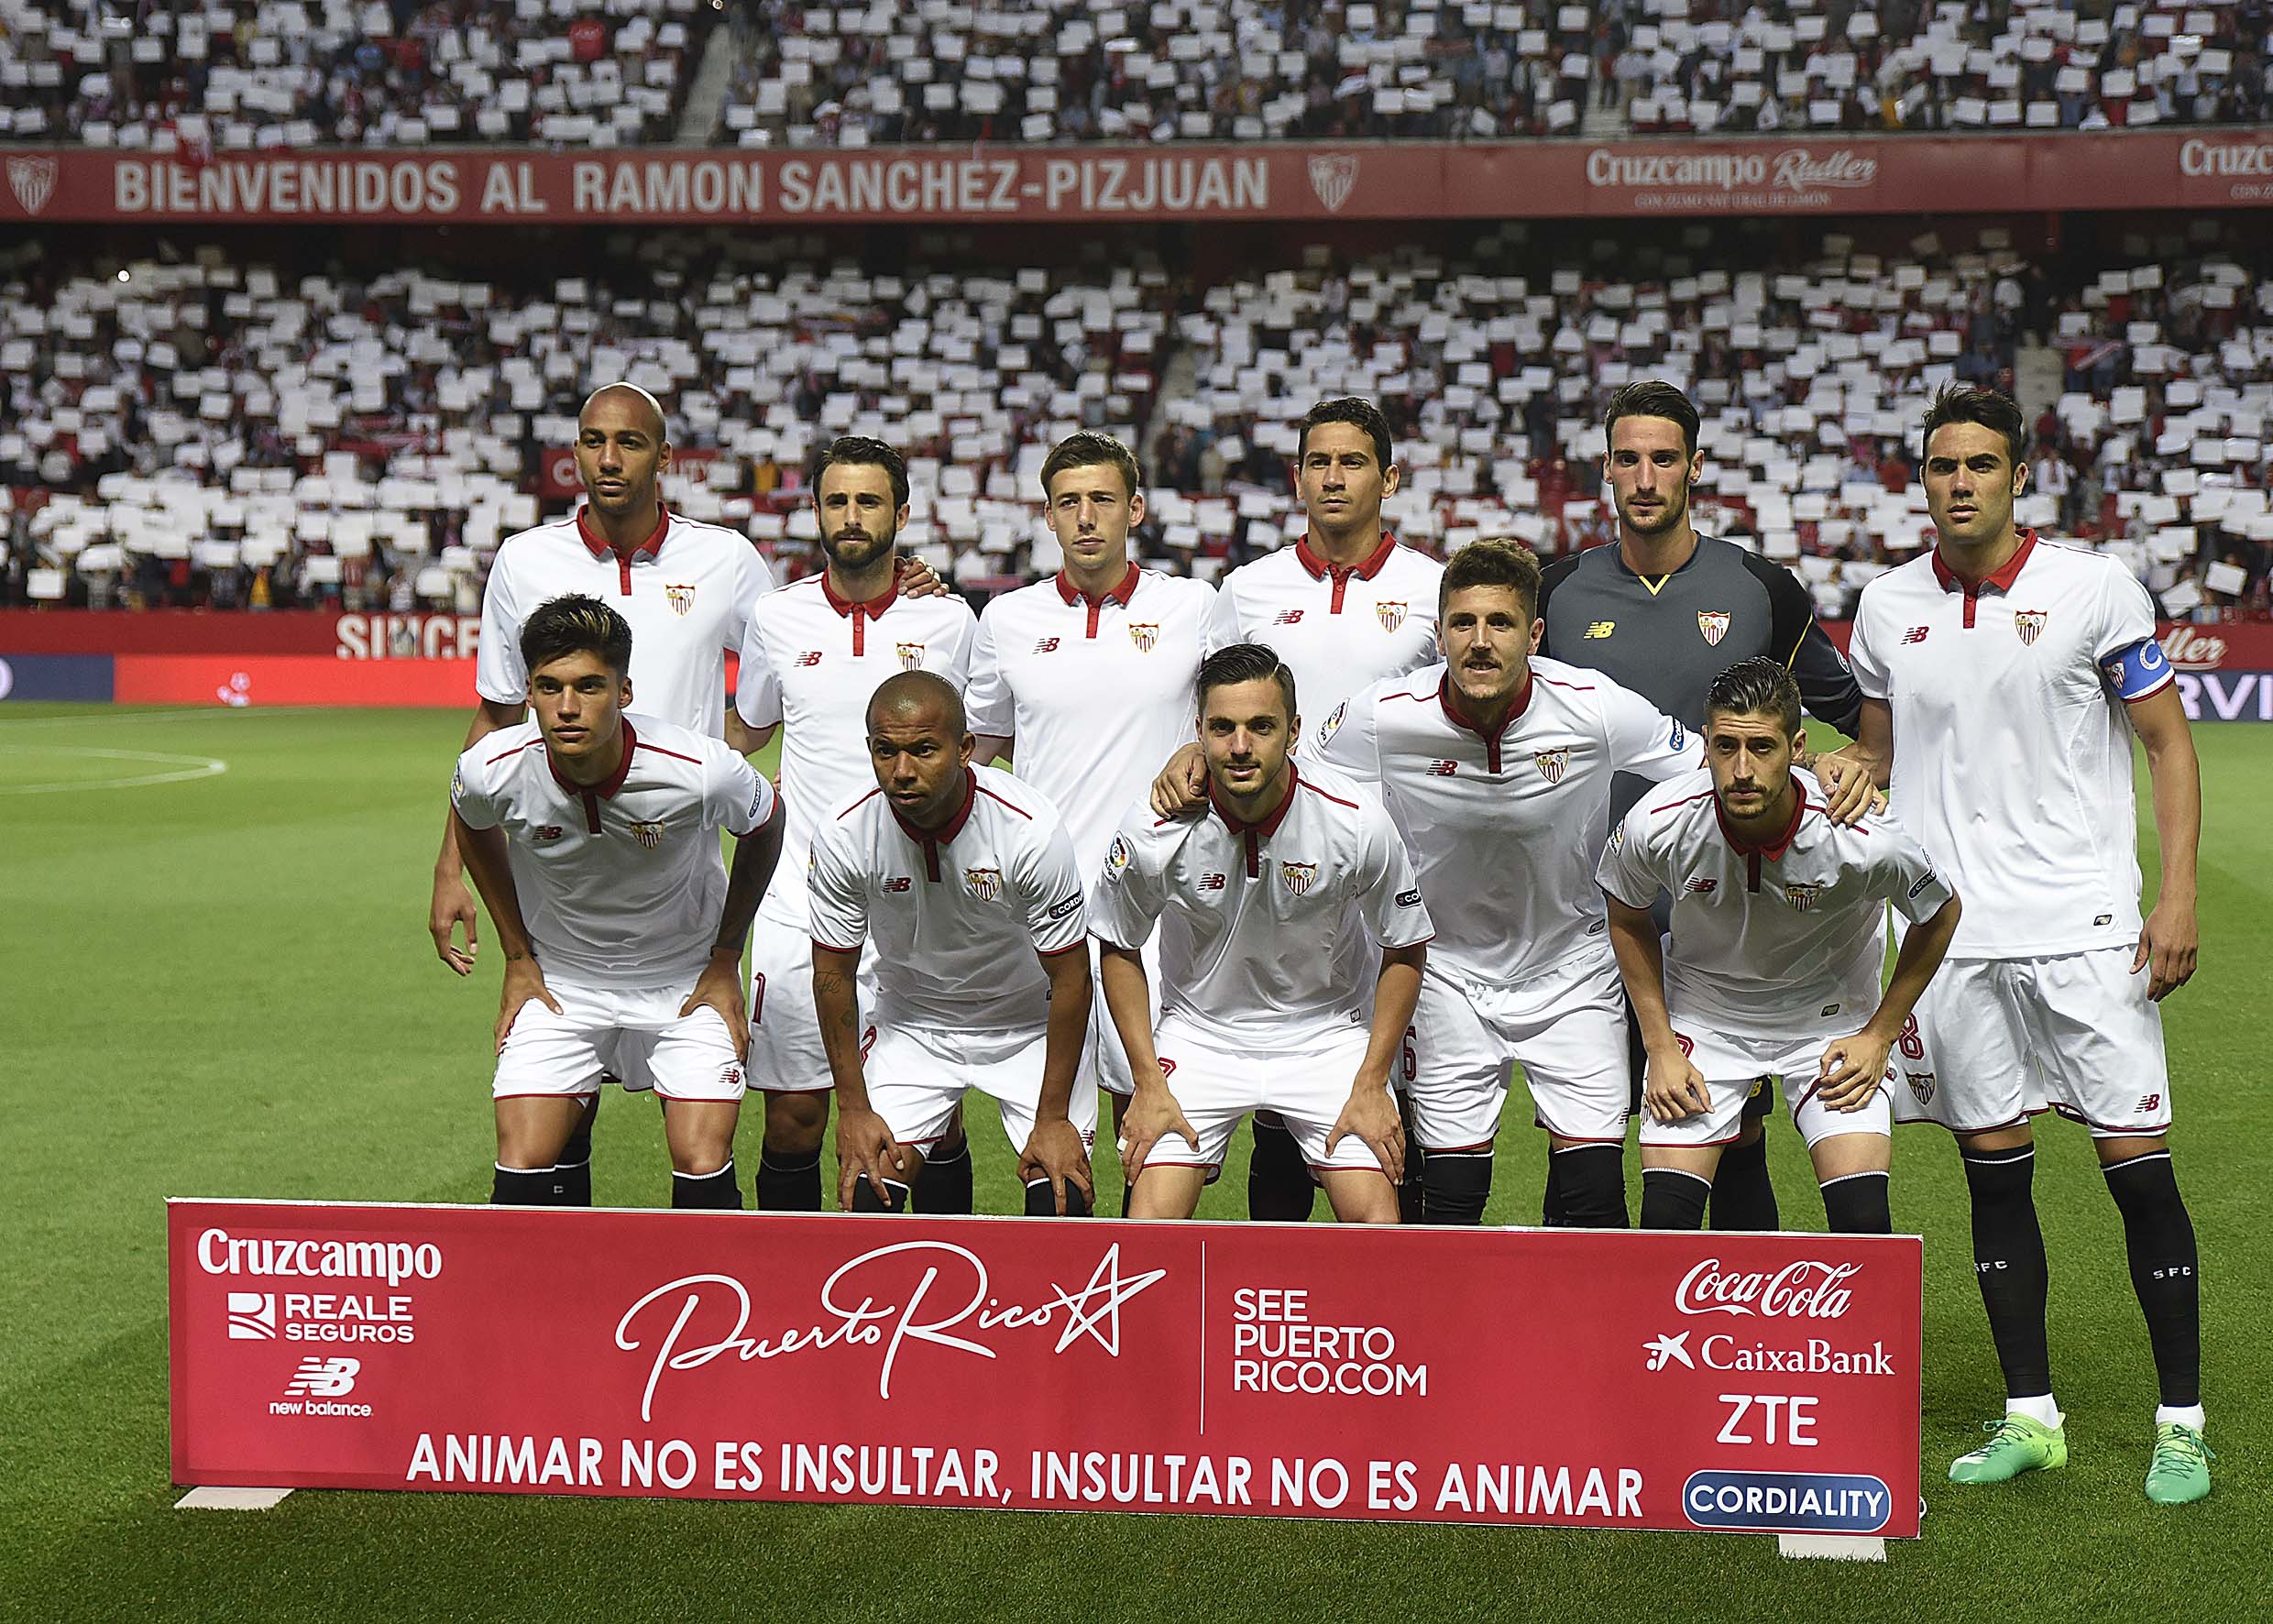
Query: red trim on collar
[2001, 581]
[1491, 740]
[591, 795]
[602, 548]
[1776, 848]
[845, 605]
[1264, 828]
[932, 839]
[1120, 594]
[1320, 569]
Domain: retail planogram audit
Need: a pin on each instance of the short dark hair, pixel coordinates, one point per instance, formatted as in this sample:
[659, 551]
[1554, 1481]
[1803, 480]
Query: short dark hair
[575, 624]
[1972, 402]
[903, 689]
[1246, 662]
[1086, 448]
[1492, 561]
[858, 449]
[1653, 398]
[1348, 409]
[1756, 686]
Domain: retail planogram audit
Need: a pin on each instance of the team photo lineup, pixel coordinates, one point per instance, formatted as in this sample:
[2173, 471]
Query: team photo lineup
[1344, 847]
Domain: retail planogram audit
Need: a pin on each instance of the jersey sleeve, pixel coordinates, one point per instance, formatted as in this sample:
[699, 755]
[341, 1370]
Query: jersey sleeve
[757, 691]
[1349, 738]
[1863, 657]
[1642, 738]
[1627, 870]
[736, 797]
[1222, 628]
[966, 633]
[1210, 599]
[477, 788]
[2129, 657]
[1904, 875]
[1795, 637]
[1127, 897]
[753, 578]
[837, 893]
[1051, 887]
[499, 675]
[1389, 894]
[989, 709]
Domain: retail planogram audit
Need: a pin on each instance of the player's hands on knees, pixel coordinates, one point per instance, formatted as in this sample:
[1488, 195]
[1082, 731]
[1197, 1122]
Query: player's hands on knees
[1672, 1087]
[1056, 1152]
[1371, 1113]
[2168, 944]
[1852, 1068]
[720, 988]
[1851, 796]
[1152, 1116]
[865, 1150]
[524, 983]
[918, 579]
[1182, 787]
[453, 906]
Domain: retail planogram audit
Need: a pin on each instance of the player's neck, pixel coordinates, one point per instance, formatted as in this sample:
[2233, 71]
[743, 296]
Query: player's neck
[1347, 548]
[1254, 808]
[1976, 561]
[1490, 717]
[940, 813]
[1097, 579]
[595, 766]
[867, 584]
[626, 532]
[1655, 557]
[1767, 827]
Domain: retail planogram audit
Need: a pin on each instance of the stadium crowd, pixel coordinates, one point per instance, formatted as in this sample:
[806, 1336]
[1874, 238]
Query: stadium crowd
[205, 432]
[293, 73]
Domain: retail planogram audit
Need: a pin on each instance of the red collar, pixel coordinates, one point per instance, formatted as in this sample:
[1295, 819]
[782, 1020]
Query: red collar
[1452, 714]
[605, 789]
[1774, 848]
[601, 548]
[1266, 827]
[1320, 569]
[845, 605]
[2001, 581]
[946, 831]
[1120, 594]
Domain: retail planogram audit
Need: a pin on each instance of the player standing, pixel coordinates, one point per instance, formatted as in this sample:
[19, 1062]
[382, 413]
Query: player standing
[1661, 613]
[1779, 933]
[1261, 905]
[963, 881]
[1496, 767]
[1088, 676]
[816, 650]
[592, 836]
[2004, 679]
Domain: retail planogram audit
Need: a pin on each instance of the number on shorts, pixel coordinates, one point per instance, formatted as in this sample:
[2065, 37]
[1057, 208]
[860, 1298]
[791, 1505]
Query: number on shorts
[1412, 1059]
[757, 998]
[1912, 1044]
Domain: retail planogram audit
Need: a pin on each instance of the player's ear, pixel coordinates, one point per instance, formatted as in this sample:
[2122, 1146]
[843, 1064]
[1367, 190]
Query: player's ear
[1388, 479]
[1135, 509]
[967, 749]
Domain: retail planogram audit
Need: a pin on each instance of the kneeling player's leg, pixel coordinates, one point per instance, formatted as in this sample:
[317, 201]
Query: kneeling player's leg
[1167, 1190]
[1360, 1195]
[916, 1082]
[701, 1136]
[1572, 1052]
[574, 1174]
[945, 1190]
[1743, 1196]
[790, 1160]
[1012, 1075]
[1279, 1183]
[788, 1065]
[548, 1068]
[1452, 1102]
[1213, 1091]
[530, 1130]
[1675, 1179]
[896, 1190]
[691, 1063]
[1851, 1168]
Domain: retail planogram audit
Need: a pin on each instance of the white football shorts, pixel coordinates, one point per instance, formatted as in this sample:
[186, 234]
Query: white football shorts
[786, 1052]
[634, 1034]
[917, 1076]
[1735, 1063]
[1215, 1086]
[1567, 1032]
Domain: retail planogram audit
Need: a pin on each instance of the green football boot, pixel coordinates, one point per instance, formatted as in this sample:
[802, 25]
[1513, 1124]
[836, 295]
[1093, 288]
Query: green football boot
[2179, 1473]
[2016, 1444]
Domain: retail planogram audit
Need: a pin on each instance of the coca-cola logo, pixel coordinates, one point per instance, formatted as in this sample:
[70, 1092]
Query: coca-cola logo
[1806, 1290]
[2190, 649]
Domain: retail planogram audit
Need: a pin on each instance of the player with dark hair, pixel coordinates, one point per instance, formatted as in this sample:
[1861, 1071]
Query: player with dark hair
[1661, 612]
[1266, 906]
[1496, 767]
[1779, 933]
[816, 650]
[592, 836]
[963, 880]
[2006, 678]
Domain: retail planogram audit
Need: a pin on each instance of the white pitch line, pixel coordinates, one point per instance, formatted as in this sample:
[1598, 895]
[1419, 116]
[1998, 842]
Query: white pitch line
[214, 712]
[188, 767]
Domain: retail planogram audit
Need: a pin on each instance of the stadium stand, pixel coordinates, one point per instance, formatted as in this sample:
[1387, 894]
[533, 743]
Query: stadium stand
[211, 431]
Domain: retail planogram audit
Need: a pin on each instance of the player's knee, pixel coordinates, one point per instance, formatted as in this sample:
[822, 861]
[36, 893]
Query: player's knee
[1590, 1185]
[1859, 1203]
[794, 1123]
[1673, 1198]
[2000, 1178]
[578, 1150]
[1454, 1186]
[2145, 1187]
[866, 1200]
[714, 1190]
[1041, 1200]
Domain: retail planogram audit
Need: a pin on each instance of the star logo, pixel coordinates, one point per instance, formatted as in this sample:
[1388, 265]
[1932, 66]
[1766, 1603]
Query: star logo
[1670, 1350]
[1094, 1312]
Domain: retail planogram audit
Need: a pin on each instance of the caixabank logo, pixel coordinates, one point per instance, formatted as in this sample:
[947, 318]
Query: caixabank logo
[1787, 1502]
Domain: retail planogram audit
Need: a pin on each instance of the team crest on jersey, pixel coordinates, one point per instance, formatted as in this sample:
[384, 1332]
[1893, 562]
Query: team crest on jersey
[1800, 894]
[681, 597]
[911, 655]
[1391, 615]
[986, 884]
[1553, 764]
[1921, 1086]
[649, 835]
[1297, 875]
[1713, 623]
[1144, 635]
[2029, 624]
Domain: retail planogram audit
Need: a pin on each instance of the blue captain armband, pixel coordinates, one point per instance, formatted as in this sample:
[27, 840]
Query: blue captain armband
[2138, 671]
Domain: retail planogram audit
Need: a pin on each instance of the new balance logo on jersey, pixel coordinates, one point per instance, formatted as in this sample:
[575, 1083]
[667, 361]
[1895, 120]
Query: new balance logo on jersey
[547, 833]
[1602, 628]
[1443, 769]
[1916, 634]
[1212, 882]
[898, 883]
[1700, 887]
[1049, 645]
[730, 1078]
[1287, 618]
[810, 657]
[2149, 1105]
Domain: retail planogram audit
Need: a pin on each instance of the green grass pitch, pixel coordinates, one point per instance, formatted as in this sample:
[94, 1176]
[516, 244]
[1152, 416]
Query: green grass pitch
[222, 985]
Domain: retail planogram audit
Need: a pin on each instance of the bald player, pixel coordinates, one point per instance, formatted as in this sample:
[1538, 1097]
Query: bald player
[963, 880]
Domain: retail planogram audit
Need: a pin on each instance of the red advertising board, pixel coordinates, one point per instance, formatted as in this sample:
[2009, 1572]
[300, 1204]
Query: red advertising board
[1752, 1383]
[1822, 175]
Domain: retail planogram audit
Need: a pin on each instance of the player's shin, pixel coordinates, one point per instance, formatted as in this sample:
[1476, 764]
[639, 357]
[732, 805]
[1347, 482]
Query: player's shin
[1590, 1182]
[2166, 1273]
[1674, 1198]
[526, 1187]
[1279, 1180]
[866, 1200]
[1041, 1200]
[789, 1182]
[1455, 1185]
[1857, 1204]
[943, 1187]
[2008, 1260]
[575, 1168]
[1743, 1197]
[713, 1192]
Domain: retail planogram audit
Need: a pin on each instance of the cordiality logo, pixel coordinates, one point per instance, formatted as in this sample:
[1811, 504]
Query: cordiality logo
[1787, 1502]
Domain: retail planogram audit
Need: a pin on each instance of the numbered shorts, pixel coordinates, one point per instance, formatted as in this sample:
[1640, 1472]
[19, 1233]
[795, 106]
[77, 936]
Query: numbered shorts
[1568, 1033]
[1735, 1063]
[919, 1075]
[633, 1034]
[786, 1052]
[1112, 1072]
[1215, 1086]
[2000, 1039]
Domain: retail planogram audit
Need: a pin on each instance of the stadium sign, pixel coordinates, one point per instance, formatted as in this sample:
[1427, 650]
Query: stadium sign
[1764, 1383]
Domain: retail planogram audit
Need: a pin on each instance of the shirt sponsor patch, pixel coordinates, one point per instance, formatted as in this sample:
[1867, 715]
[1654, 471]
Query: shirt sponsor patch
[1409, 899]
[1924, 880]
[1118, 858]
[1680, 737]
[1058, 910]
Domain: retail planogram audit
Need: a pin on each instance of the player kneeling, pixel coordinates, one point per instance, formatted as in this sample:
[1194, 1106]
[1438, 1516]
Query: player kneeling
[961, 877]
[592, 836]
[1263, 902]
[1778, 936]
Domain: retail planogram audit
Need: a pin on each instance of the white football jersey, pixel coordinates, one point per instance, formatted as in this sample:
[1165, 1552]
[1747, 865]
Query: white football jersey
[2012, 749]
[1505, 831]
[688, 593]
[1336, 629]
[1095, 693]
[954, 916]
[810, 665]
[1259, 923]
[1774, 941]
[621, 883]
